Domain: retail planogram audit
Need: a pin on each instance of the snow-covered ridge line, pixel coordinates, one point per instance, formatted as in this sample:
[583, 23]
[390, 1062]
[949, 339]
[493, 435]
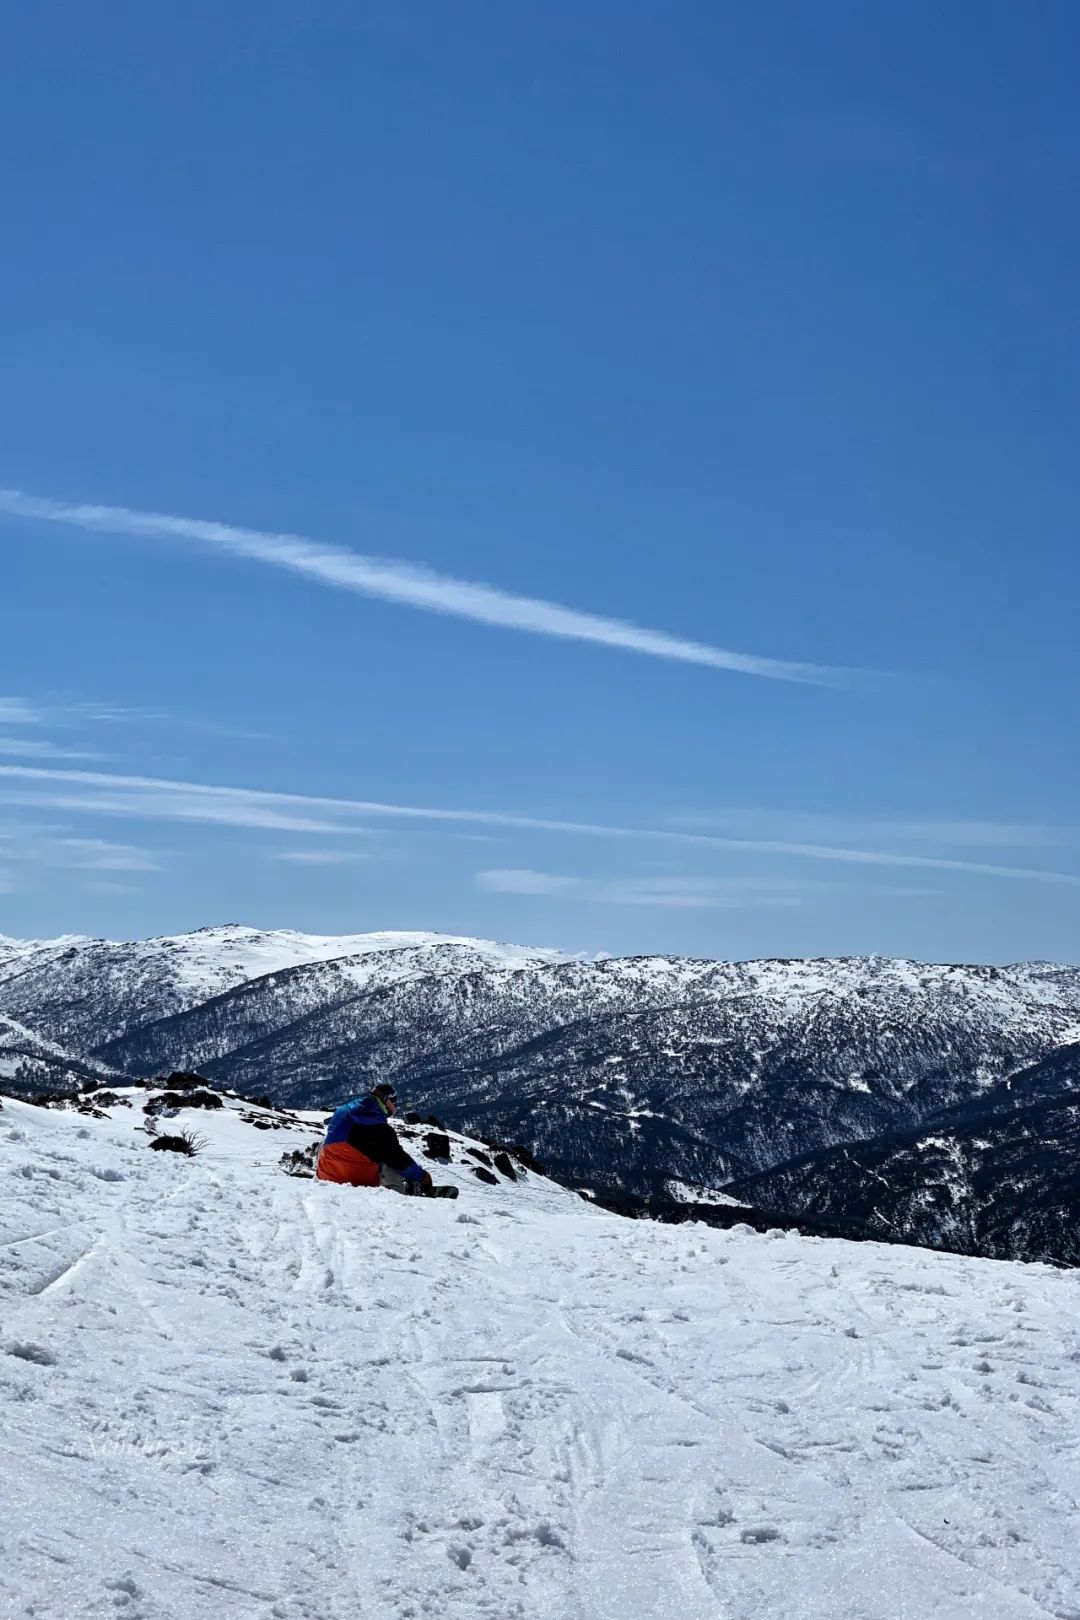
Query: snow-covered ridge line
[296, 946]
[287, 945]
[170, 973]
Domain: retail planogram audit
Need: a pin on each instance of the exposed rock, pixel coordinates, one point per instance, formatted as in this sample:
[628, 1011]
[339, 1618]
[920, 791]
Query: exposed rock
[168, 1101]
[503, 1164]
[301, 1161]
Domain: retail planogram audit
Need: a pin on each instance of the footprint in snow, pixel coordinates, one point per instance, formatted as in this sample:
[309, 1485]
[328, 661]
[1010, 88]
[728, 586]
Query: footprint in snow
[759, 1534]
[123, 1590]
[27, 1350]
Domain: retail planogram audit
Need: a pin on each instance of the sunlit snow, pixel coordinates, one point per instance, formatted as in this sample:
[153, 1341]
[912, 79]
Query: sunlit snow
[224, 1392]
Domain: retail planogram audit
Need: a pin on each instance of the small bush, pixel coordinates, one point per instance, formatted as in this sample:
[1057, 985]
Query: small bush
[185, 1142]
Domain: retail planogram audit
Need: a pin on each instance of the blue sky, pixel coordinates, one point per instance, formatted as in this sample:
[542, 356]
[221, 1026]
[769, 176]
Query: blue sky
[573, 350]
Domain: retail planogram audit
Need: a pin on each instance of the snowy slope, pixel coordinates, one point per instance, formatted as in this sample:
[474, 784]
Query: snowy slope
[224, 1392]
[30, 1063]
[998, 1176]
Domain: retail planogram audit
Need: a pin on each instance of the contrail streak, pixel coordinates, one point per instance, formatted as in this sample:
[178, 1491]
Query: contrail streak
[395, 581]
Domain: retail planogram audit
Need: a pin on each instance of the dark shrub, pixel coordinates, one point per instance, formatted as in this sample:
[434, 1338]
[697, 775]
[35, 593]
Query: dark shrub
[185, 1142]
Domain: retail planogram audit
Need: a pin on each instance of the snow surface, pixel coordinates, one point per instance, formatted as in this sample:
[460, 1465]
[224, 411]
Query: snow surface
[688, 1192]
[227, 1393]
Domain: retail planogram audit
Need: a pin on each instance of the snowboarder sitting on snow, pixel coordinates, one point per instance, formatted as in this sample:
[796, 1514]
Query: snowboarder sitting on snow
[362, 1147]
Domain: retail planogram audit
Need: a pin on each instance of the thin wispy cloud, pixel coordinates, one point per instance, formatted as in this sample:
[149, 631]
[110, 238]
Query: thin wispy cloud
[875, 857]
[950, 832]
[55, 848]
[525, 881]
[224, 811]
[16, 711]
[116, 714]
[99, 855]
[680, 893]
[411, 586]
[119, 714]
[64, 712]
[155, 799]
[322, 857]
[41, 748]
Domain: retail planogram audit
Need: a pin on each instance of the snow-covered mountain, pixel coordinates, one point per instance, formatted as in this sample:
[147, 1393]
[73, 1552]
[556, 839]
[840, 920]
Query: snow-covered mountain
[226, 1392]
[628, 1071]
[29, 1063]
[622, 1073]
[85, 992]
[996, 1176]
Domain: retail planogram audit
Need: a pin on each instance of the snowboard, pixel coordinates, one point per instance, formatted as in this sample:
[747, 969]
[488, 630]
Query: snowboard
[442, 1192]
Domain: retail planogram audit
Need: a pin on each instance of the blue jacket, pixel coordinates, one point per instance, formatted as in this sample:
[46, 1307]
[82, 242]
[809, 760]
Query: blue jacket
[363, 1124]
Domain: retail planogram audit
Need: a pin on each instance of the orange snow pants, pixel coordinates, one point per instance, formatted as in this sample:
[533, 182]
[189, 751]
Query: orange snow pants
[339, 1162]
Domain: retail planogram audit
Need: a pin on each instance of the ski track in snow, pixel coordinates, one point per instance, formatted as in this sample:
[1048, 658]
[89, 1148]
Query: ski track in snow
[228, 1393]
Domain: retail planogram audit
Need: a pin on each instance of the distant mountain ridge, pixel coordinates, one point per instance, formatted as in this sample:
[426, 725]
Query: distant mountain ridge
[998, 1176]
[84, 991]
[623, 1073]
[29, 1063]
